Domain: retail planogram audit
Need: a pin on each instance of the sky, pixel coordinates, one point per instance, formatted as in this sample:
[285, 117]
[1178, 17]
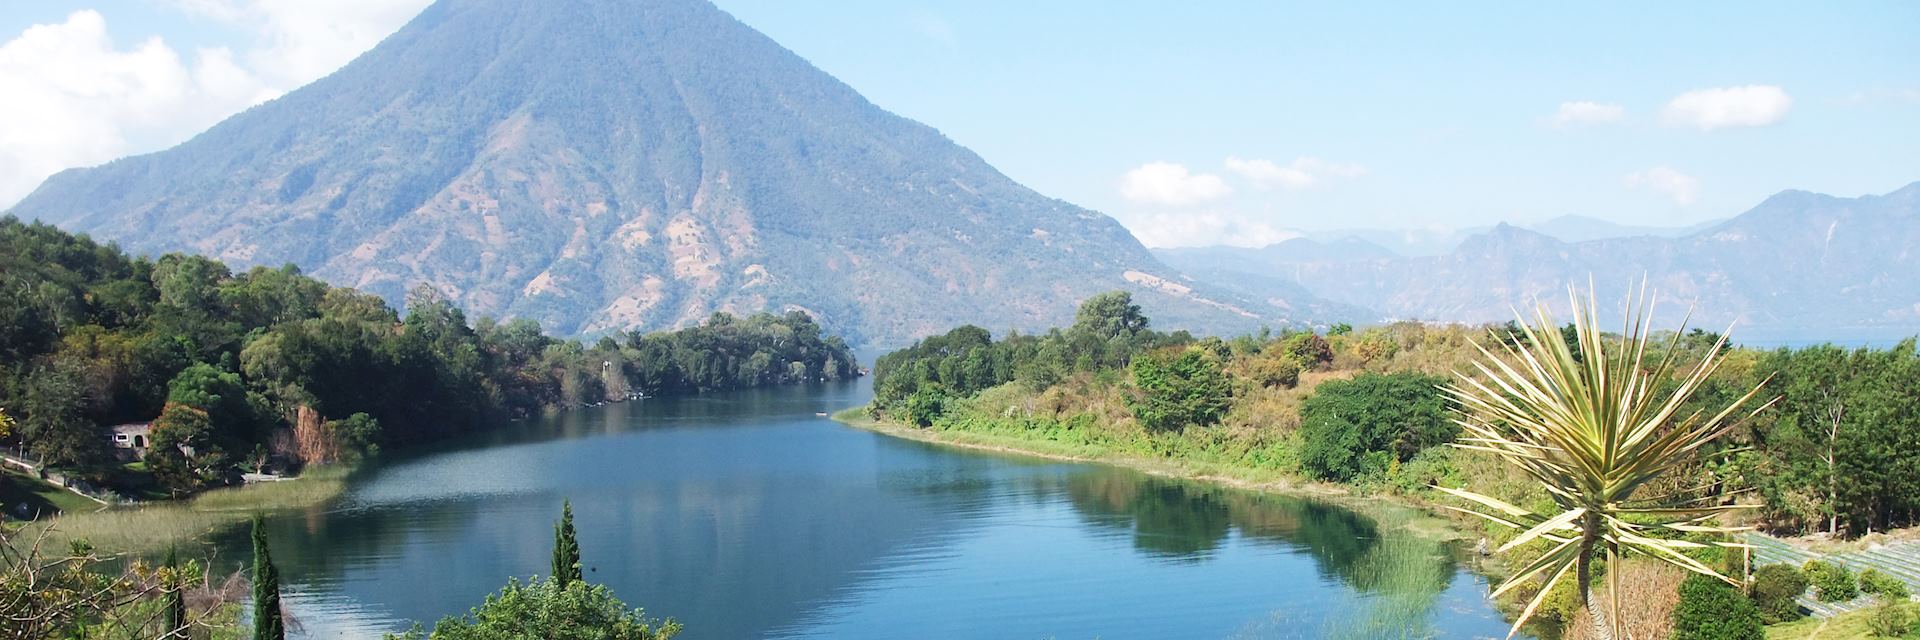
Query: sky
[1192, 123]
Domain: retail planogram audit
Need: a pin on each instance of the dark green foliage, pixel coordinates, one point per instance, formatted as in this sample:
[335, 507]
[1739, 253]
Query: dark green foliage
[566, 548]
[551, 610]
[925, 406]
[1831, 582]
[1878, 583]
[90, 337]
[1839, 449]
[268, 620]
[1774, 588]
[1107, 334]
[1180, 390]
[1713, 610]
[1353, 428]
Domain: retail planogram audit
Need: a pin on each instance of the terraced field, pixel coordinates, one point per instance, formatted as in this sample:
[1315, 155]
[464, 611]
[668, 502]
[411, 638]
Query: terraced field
[1900, 560]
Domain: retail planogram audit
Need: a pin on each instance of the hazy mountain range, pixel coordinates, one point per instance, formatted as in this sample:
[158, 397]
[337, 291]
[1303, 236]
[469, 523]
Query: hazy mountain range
[1799, 261]
[601, 164]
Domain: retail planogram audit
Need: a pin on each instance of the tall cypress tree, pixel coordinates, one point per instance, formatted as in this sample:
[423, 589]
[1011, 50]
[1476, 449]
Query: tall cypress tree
[566, 550]
[267, 623]
[176, 586]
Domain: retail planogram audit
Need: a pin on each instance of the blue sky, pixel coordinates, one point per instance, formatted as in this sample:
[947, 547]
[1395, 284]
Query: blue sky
[1236, 122]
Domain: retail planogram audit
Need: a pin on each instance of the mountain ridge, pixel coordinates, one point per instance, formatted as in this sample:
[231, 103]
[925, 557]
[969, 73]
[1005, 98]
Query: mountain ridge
[600, 165]
[1797, 261]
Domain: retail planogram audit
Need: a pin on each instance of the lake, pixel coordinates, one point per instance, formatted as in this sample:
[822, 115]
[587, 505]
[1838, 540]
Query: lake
[746, 515]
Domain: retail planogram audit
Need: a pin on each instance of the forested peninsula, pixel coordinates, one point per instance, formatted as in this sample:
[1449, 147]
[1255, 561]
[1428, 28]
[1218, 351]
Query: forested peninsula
[271, 370]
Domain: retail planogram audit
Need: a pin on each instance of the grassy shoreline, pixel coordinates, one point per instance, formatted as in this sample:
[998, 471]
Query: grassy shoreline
[151, 527]
[1431, 524]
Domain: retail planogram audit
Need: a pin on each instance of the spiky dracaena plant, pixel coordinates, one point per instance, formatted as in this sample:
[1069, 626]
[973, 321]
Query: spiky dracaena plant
[1593, 427]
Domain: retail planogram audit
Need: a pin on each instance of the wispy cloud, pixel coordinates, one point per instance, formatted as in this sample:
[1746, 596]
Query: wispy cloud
[1582, 112]
[933, 27]
[1302, 173]
[1683, 189]
[1755, 105]
[1203, 228]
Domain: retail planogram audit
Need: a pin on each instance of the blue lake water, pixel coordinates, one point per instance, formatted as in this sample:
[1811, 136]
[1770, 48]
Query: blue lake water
[746, 515]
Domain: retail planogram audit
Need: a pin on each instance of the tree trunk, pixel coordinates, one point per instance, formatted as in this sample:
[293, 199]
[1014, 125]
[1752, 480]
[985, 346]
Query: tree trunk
[1583, 573]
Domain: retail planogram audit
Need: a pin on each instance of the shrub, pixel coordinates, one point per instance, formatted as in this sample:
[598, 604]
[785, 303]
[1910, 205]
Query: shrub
[1877, 582]
[1182, 390]
[1774, 588]
[1275, 370]
[1890, 619]
[1712, 610]
[1308, 348]
[1346, 422]
[1831, 582]
[924, 406]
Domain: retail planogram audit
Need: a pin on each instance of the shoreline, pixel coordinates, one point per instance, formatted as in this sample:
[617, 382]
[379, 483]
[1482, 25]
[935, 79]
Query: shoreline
[1429, 523]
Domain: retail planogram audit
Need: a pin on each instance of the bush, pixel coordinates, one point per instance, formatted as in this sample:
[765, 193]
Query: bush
[1345, 423]
[1712, 610]
[1178, 391]
[1831, 582]
[1890, 619]
[1877, 582]
[1308, 348]
[924, 406]
[1275, 370]
[1774, 588]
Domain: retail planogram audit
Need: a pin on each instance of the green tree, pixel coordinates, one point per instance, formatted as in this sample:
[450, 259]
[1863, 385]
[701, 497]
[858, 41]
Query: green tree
[1187, 389]
[1352, 428]
[566, 549]
[268, 621]
[1710, 609]
[1109, 315]
[550, 610]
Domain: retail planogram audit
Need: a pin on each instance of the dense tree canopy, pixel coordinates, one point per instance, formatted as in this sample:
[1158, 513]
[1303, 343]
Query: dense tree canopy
[235, 366]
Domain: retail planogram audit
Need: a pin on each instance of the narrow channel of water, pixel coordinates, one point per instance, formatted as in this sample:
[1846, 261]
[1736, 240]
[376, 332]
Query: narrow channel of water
[747, 515]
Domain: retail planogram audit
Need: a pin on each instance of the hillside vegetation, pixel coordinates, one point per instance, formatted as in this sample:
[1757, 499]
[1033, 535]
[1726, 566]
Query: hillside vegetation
[1362, 409]
[271, 367]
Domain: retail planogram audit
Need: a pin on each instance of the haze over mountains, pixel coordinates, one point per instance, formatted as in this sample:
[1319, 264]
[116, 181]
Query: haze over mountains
[601, 165]
[1799, 262]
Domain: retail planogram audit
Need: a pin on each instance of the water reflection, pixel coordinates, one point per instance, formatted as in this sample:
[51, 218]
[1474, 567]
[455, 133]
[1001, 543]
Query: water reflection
[747, 516]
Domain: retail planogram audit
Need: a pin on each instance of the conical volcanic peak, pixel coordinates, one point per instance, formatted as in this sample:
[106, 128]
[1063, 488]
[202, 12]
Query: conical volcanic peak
[616, 164]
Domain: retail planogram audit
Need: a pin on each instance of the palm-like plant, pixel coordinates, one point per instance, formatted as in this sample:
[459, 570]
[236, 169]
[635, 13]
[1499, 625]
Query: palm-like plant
[1593, 427]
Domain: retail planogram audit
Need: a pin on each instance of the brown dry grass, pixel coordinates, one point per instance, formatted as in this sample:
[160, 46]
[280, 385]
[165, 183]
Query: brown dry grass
[1649, 591]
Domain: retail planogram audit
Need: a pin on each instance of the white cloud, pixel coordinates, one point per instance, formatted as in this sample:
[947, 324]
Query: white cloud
[75, 98]
[1302, 173]
[1584, 112]
[1203, 228]
[1166, 183]
[1753, 105]
[1682, 188]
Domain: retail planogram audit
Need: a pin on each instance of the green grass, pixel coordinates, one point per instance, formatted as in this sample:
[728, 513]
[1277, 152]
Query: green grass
[41, 498]
[1846, 626]
[150, 528]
